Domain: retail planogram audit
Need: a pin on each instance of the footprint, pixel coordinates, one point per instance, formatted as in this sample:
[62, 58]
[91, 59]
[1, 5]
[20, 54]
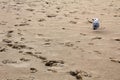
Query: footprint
[47, 44]
[78, 41]
[24, 59]
[52, 70]
[117, 39]
[37, 55]
[29, 53]
[7, 61]
[20, 51]
[47, 2]
[33, 70]
[82, 34]
[73, 22]
[76, 75]
[63, 28]
[76, 18]
[22, 39]
[51, 15]
[41, 20]
[52, 63]
[79, 74]
[23, 24]
[116, 15]
[38, 52]
[69, 44]
[7, 41]
[98, 52]
[47, 40]
[40, 34]
[58, 7]
[20, 34]
[30, 9]
[114, 60]
[17, 46]
[72, 12]
[9, 33]
[90, 43]
[96, 38]
[2, 49]
[44, 59]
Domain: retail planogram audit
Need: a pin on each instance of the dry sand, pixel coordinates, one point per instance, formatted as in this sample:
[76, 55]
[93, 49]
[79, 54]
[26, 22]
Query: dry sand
[53, 40]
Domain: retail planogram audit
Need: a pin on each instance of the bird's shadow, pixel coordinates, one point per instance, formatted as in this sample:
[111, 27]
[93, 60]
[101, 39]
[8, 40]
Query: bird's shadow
[101, 31]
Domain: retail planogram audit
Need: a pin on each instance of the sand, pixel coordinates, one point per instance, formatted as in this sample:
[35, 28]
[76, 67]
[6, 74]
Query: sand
[54, 40]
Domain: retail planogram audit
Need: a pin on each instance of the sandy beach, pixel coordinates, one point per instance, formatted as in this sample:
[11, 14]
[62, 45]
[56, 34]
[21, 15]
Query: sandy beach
[54, 40]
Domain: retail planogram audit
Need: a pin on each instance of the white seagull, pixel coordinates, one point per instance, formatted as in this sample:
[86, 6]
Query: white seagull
[96, 23]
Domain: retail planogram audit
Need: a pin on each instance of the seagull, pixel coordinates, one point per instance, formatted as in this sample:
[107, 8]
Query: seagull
[96, 23]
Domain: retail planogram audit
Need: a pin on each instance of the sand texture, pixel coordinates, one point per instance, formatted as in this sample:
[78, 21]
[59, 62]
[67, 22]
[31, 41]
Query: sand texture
[54, 40]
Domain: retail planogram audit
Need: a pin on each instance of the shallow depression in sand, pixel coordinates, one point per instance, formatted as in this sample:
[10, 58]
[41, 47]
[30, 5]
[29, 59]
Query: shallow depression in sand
[20, 65]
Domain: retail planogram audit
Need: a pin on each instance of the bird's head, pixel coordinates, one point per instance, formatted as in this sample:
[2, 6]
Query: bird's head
[95, 19]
